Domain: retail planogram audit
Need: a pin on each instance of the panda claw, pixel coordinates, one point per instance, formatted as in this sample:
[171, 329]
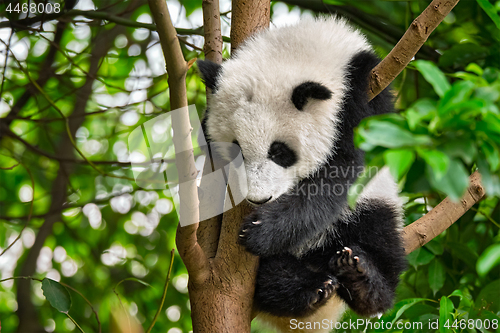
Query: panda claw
[257, 222]
[347, 262]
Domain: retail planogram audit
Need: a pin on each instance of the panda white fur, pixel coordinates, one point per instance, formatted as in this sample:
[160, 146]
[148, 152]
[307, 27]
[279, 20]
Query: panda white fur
[290, 98]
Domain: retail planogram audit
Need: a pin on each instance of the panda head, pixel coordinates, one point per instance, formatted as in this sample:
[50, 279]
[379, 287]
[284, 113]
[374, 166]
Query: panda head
[280, 98]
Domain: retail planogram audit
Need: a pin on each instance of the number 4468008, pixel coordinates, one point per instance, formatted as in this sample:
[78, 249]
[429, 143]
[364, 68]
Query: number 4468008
[34, 8]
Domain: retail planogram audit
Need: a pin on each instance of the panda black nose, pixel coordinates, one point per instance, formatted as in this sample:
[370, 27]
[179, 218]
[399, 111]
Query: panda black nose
[260, 202]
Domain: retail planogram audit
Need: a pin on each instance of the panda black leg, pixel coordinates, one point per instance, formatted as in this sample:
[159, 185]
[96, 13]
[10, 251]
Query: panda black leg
[371, 256]
[287, 287]
[361, 285]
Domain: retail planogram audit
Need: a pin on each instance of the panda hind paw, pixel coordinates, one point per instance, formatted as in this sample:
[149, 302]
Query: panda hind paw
[323, 294]
[346, 262]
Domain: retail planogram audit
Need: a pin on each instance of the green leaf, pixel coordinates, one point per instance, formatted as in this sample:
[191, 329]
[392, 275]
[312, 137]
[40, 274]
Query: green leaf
[464, 149]
[423, 109]
[445, 313]
[457, 292]
[462, 252]
[419, 257]
[490, 10]
[57, 295]
[435, 247]
[489, 296]
[454, 182]
[491, 182]
[437, 160]
[473, 67]
[433, 75]
[437, 275]
[190, 6]
[399, 161]
[488, 259]
[460, 55]
[459, 93]
[389, 135]
[404, 305]
[492, 155]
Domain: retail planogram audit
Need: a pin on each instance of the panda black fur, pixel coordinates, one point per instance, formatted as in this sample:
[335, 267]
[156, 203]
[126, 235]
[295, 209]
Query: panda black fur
[290, 98]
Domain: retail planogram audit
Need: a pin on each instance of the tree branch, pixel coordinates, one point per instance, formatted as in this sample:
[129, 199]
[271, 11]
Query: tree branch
[247, 18]
[209, 231]
[46, 72]
[213, 35]
[413, 39]
[186, 240]
[99, 15]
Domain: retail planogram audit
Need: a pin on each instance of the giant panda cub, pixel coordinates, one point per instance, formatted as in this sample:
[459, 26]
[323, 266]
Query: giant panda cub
[290, 98]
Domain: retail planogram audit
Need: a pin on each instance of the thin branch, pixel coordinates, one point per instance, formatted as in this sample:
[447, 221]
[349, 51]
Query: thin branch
[442, 216]
[29, 214]
[488, 217]
[245, 24]
[88, 302]
[416, 35]
[6, 61]
[100, 15]
[62, 159]
[187, 243]
[9, 168]
[164, 292]
[46, 72]
[208, 232]
[213, 35]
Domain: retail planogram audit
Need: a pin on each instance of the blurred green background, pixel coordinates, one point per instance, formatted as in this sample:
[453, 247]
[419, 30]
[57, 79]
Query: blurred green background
[97, 72]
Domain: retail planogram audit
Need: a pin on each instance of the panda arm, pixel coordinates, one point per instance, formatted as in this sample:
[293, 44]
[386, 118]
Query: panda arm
[306, 211]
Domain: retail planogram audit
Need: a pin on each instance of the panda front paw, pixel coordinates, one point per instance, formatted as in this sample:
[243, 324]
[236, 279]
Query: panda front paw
[256, 236]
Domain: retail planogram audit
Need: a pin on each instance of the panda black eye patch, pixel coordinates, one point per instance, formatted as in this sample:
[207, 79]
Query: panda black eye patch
[281, 154]
[307, 90]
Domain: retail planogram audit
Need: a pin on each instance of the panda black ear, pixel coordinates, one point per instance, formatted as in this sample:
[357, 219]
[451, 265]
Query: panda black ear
[309, 90]
[209, 72]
